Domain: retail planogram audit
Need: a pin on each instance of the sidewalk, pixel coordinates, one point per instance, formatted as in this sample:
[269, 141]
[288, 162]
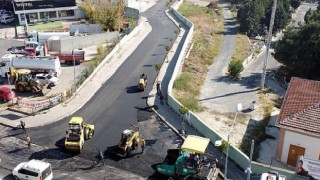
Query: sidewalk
[85, 92]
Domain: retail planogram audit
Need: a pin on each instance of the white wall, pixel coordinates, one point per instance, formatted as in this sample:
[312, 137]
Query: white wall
[311, 145]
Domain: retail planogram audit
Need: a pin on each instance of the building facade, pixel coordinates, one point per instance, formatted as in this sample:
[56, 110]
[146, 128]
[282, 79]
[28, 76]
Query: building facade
[299, 122]
[30, 11]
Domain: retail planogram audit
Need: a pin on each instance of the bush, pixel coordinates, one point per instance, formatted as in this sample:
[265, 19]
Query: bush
[234, 69]
[191, 103]
[157, 67]
[100, 50]
[183, 82]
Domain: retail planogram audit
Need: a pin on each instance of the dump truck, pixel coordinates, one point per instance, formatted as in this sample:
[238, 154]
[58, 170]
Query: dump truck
[191, 161]
[129, 142]
[70, 57]
[78, 132]
[23, 81]
[142, 84]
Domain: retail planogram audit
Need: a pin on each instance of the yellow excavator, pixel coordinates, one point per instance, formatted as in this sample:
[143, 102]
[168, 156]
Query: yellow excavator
[24, 82]
[129, 142]
[78, 132]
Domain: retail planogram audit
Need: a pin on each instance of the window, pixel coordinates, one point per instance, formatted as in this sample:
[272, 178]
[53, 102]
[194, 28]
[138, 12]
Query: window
[46, 172]
[22, 17]
[66, 13]
[27, 172]
[44, 15]
[33, 16]
[52, 14]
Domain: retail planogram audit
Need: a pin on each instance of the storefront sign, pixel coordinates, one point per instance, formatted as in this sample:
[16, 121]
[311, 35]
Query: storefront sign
[308, 168]
[42, 4]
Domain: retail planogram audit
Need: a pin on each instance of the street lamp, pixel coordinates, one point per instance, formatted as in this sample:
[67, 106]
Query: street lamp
[219, 142]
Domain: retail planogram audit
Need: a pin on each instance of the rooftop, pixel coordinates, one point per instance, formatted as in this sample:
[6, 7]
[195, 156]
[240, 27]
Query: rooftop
[300, 110]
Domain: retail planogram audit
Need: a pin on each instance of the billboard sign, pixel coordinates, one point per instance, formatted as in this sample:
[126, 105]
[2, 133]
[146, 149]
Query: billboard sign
[42, 4]
[308, 168]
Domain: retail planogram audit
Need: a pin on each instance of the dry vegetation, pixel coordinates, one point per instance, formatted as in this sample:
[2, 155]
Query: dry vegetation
[242, 48]
[207, 41]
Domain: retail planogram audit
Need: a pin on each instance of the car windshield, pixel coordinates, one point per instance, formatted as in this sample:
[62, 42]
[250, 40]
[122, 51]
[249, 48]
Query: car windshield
[46, 172]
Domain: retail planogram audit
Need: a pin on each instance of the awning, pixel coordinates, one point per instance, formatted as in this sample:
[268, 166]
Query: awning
[195, 144]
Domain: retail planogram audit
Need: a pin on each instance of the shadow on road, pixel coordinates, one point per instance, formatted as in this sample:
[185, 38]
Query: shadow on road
[53, 153]
[8, 177]
[132, 89]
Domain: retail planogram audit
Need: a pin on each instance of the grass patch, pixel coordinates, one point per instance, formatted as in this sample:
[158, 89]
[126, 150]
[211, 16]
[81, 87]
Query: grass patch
[207, 41]
[242, 48]
[46, 26]
[258, 131]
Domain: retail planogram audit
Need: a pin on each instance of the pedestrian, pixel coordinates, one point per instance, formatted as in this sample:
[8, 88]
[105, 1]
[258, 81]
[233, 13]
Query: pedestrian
[143, 144]
[23, 126]
[158, 87]
[100, 157]
[28, 141]
[161, 98]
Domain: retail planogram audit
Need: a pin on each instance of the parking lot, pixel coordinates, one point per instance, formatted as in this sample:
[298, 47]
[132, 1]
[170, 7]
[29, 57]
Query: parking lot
[70, 74]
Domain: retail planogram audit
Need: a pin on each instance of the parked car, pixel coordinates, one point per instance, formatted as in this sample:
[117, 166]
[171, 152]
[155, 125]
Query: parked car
[33, 170]
[47, 79]
[7, 19]
[6, 94]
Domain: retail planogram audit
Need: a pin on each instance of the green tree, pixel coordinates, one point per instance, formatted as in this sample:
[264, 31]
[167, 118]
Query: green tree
[299, 51]
[234, 69]
[110, 15]
[295, 4]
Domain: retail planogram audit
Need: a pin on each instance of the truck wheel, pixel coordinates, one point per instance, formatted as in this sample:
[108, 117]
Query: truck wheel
[33, 90]
[15, 178]
[51, 84]
[21, 88]
[86, 134]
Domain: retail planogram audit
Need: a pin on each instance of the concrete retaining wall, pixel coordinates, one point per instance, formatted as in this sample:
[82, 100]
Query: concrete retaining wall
[76, 42]
[234, 153]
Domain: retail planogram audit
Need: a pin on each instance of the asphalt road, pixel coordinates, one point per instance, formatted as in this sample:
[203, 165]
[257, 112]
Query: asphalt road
[117, 105]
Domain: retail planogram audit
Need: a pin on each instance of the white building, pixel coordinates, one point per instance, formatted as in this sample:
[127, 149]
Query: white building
[299, 122]
[46, 10]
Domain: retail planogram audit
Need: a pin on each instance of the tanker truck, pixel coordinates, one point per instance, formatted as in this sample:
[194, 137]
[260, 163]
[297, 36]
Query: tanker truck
[49, 65]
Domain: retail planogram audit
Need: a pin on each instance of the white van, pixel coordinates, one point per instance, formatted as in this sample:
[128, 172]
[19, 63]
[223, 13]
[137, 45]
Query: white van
[33, 170]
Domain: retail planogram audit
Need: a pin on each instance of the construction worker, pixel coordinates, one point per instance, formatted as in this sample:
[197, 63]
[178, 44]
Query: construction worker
[23, 124]
[158, 87]
[143, 143]
[100, 157]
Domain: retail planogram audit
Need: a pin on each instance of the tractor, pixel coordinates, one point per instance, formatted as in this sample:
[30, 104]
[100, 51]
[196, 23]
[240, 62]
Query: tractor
[24, 82]
[129, 142]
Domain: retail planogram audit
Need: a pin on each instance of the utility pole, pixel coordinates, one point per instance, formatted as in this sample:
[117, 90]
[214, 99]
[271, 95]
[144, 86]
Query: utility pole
[264, 69]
